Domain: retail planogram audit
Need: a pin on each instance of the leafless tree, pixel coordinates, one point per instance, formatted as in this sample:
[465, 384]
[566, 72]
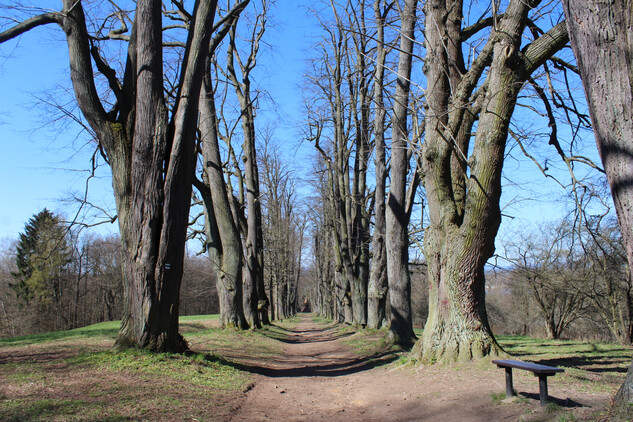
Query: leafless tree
[552, 264]
[284, 230]
[222, 236]
[469, 107]
[397, 214]
[149, 142]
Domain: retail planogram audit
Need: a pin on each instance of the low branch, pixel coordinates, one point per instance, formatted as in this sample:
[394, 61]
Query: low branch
[27, 25]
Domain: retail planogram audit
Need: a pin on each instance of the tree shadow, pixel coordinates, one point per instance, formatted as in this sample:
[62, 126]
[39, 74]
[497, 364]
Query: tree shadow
[342, 367]
[325, 363]
[317, 335]
[588, 363]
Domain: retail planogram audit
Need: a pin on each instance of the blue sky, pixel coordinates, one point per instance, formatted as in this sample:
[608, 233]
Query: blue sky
[43, 165]
[39, 166]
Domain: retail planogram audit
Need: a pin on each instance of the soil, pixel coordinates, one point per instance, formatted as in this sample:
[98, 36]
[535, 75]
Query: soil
[319, 377]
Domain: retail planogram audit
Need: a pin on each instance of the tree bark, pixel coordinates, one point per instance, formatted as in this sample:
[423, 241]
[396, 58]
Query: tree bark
[222, 236]
[601, 33]
[154, 233]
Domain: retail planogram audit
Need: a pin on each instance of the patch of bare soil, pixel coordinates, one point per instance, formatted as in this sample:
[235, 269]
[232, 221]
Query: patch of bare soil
[319, 378]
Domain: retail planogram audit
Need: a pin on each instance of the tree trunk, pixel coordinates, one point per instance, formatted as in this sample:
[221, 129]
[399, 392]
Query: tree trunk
[464, 206]
[255, 300]
[396, 217]
[601, 33]
[223, 239]
[377, 289]
[155, 228]
[254, 276]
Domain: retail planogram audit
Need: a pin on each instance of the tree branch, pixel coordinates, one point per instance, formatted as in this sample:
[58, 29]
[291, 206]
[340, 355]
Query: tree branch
[544, 48]
[27, 25]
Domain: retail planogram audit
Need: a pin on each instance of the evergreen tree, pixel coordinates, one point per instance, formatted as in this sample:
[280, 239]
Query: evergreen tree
[43, 254]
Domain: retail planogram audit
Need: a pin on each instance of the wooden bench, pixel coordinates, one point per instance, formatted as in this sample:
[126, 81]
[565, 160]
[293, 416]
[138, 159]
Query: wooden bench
[541, 371]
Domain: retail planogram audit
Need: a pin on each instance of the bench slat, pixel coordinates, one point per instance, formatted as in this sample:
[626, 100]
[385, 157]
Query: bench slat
[527, 366]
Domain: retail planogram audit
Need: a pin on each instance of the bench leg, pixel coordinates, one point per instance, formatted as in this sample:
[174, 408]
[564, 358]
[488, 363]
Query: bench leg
[509, 388]
[542, 386]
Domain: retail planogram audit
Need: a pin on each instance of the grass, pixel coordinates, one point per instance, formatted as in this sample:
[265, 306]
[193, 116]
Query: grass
[367, 342]
[198, 369]
[497, 398]
[596, 367]
[104, 330]
[51, 409]
[76, 375]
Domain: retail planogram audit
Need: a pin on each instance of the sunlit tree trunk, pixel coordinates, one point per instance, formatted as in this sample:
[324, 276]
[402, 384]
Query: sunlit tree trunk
[377, 289]
[223, 241]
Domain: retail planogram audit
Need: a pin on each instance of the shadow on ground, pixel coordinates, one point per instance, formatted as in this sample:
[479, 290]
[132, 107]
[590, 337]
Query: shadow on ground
[316, 362]
[566, 403]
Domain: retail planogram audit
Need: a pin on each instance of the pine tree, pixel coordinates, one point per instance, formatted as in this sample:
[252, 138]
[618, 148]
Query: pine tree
[42, 257]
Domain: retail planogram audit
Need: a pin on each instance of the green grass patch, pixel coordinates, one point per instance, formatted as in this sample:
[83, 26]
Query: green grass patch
[497, 398]
[255, 344]
[591, 366]
[192, 318]
[57, 410]
[24, 373]
[106, 330]
[375, 345]
[368, 341]
[317, 319]
[566, 417]
[204, 370]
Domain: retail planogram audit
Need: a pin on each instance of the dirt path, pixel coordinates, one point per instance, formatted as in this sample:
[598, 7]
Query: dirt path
[319, 378]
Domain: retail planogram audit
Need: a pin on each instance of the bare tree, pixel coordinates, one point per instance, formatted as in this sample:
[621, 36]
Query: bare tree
[609, 287]
[378, 284]
[222, 235]
[396, 214]
[255, 300]
[150, 149]
[341, 130]
[462, 172]
[552, 264]
[325, 297]
[283, 232]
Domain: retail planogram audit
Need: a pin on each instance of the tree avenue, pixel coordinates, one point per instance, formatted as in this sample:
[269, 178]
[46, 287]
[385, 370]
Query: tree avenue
[401, 95]
[452, 125]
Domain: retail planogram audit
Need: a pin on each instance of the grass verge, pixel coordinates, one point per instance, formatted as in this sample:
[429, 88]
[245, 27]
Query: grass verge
[77, 376]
